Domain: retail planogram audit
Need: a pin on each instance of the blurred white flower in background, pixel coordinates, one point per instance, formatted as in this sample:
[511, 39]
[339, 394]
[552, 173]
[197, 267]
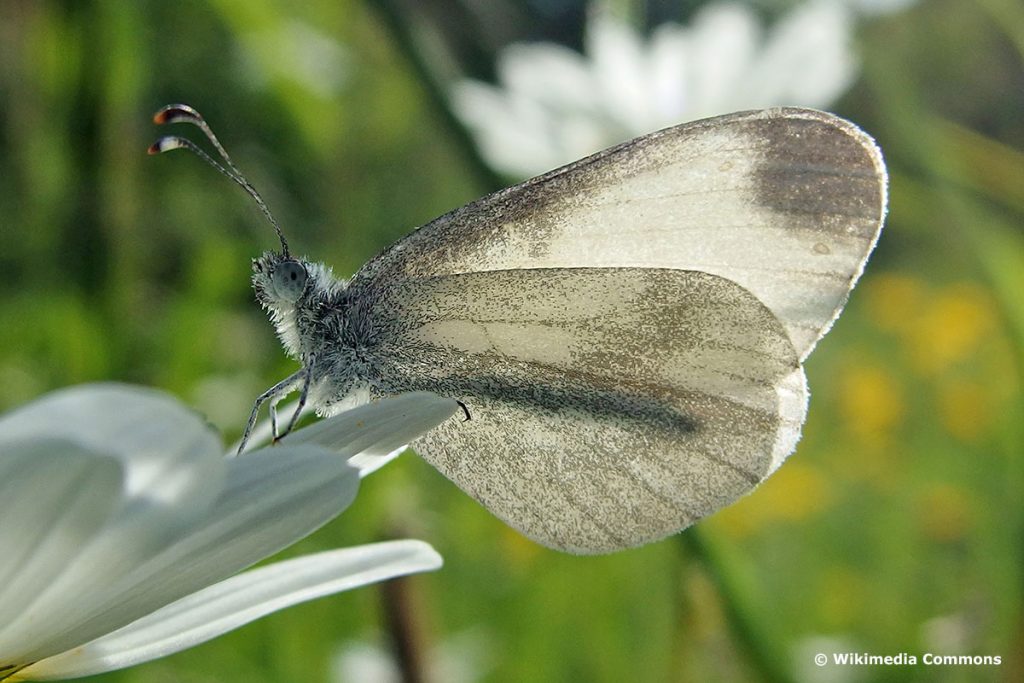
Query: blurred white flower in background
[956, 632]
[806, 669]
[123, 522]
[460, 658]
[554, 106]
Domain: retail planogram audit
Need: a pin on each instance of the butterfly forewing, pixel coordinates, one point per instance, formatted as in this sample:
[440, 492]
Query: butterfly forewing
[787, 203]
[609, 407]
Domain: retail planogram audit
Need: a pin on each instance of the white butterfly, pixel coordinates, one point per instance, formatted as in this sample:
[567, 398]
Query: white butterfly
[625, 333]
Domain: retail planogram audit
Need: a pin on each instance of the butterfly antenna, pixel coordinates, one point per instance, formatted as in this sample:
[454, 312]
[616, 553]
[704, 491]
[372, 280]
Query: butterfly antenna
[182, 113]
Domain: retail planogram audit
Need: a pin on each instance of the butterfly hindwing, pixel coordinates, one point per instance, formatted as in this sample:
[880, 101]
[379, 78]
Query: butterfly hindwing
[609, 407]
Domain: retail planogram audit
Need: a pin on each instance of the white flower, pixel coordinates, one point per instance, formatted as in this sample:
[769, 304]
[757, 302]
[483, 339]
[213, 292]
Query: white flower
[957, 632]
[122, 523]
[806, 666]
[555, 106]
[461, 658]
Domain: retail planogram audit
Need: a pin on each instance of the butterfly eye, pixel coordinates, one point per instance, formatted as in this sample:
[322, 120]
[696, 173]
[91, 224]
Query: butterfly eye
[289, 279]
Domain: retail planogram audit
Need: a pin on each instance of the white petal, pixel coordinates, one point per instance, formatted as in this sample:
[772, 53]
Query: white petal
[724, 41]
[808, 60]
[669, 52]
[358, 661]
[372, 464]
[168, 451]
[237, 601]
[548, 73]
[273, 497]
[578, 135]
[511, 130]
[56, 497]
[621, 71]
[166, 464]
[373, 431]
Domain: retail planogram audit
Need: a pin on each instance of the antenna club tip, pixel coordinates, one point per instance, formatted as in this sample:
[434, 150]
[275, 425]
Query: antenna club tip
[173, 113]
[166, 144]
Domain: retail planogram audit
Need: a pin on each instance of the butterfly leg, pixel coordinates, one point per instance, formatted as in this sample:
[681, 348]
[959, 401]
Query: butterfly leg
[278, 391]
[303, 395]
[275, 433]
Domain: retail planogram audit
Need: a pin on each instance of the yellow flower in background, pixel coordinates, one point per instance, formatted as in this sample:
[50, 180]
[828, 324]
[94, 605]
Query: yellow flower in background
[842, 596]
[944, 512]
[966, 408]
[950, 336]
[951, 327]
[871, 401]
[891, 298]
[940, 325]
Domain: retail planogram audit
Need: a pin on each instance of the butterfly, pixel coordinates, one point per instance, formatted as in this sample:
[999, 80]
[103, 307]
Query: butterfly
[625, 334]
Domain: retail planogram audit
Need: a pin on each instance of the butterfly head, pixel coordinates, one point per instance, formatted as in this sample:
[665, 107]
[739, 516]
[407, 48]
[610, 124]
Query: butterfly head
[279, 280]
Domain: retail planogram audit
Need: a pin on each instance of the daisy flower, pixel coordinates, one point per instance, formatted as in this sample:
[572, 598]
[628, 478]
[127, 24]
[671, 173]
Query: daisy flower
[124, 525]
[552, 105]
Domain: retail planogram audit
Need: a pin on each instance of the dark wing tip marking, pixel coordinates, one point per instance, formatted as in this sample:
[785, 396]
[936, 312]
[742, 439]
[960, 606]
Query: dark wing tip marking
[815, 163]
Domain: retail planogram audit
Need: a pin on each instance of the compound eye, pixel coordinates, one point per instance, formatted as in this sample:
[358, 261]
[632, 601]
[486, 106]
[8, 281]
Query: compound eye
[289, 280]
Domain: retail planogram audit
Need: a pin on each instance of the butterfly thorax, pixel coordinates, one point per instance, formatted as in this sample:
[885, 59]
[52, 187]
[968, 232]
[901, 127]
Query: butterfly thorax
[319, 324]
[298, 295]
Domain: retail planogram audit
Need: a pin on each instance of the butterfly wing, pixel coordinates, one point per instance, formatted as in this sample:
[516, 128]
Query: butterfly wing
[609, 407]
[786, 202]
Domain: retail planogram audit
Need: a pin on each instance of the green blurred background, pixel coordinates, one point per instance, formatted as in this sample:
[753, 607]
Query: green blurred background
[897, 525]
